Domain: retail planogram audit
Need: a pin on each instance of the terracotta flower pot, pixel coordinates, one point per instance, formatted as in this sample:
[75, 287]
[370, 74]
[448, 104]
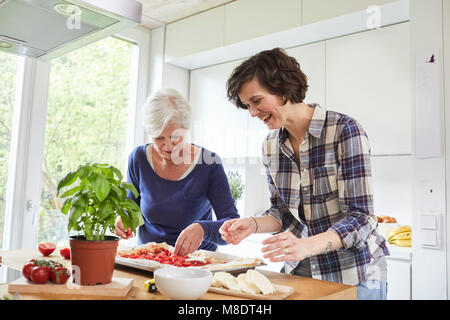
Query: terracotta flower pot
[93, 261]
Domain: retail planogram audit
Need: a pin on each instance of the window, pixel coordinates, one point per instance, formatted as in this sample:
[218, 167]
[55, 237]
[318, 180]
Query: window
[87, 116]
[8, 71]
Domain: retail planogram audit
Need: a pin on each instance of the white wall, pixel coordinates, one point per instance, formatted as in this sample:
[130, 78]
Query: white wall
[429, 272]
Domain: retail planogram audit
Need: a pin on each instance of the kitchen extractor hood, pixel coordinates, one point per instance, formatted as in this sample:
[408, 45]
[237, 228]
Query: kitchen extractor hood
[45, 29]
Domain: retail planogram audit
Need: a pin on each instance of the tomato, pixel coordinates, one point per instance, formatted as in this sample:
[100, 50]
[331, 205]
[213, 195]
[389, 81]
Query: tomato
[59, 275]
[47, 248]
[65, 253]
[39, 274]
[26, 270]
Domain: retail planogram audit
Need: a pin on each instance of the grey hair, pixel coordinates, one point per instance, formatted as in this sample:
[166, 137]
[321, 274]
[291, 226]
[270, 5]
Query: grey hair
[164, 106]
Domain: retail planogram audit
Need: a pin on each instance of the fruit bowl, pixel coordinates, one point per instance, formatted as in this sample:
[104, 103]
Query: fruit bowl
[182, 283]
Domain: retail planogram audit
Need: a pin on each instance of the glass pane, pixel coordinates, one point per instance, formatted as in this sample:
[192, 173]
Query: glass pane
[86, 121]
[8, 70]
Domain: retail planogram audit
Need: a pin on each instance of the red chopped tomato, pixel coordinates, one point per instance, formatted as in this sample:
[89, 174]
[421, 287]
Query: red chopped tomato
[198, 263]
[47, 248]
[65, 252]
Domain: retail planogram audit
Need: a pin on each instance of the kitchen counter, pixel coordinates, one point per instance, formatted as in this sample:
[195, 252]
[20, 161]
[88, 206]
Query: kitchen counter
[402, 253]
[304, 288]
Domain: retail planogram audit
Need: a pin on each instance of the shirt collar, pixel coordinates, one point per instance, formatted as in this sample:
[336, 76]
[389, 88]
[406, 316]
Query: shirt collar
[315, 127]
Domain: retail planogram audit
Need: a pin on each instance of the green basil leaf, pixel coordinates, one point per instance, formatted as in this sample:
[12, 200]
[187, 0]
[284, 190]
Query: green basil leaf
[100, 185]
[131, 187]
[105, 210]
[125, 220]
[71, 191]
[116, 171]
[74, 214]
[67, 180]
[66, 206]
[79, 201]
[120, 194]
[84, 171]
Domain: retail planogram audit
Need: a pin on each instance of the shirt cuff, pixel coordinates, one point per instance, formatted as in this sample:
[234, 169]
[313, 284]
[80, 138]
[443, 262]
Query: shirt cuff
[349, 236]
[206, 228]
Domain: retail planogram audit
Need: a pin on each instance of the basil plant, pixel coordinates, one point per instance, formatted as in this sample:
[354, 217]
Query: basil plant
[96, 196]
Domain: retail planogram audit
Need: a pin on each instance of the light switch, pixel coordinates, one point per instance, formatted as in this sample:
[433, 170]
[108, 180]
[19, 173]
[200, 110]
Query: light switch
[428, 238]
[428, 222]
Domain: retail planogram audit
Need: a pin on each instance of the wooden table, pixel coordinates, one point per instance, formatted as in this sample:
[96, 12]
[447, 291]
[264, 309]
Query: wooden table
[305, 288]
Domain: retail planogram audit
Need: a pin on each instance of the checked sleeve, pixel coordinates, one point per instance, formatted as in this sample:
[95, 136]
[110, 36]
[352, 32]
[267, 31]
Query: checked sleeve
[355, 187]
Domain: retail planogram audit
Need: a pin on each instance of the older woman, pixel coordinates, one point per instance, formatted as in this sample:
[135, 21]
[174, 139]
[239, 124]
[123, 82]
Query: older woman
[179, 183]
[319, 175]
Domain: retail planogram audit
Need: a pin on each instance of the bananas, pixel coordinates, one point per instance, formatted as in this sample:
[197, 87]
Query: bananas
[401, 236]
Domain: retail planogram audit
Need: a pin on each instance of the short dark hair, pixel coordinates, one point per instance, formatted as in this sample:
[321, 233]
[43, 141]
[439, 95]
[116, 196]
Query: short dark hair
[279, 73]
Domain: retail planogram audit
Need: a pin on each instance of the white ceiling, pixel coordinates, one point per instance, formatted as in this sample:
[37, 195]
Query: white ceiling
[156, 13]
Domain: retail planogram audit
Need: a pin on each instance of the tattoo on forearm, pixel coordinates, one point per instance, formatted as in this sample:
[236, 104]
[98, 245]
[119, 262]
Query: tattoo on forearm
[328, 247]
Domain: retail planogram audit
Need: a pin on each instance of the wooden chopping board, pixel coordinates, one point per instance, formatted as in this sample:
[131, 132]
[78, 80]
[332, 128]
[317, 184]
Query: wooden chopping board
[280, 293]
[118, 287]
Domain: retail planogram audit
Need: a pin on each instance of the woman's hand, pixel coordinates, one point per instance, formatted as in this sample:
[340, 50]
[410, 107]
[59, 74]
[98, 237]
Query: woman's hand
[286, 247]
[189, 239]
[119, 230]
[235, 230]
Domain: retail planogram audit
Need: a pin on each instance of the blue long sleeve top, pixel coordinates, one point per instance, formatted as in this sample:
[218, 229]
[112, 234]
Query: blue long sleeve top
[168, 206]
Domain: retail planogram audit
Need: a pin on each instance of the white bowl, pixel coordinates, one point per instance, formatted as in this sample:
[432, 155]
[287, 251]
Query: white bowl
[385, 228]
[182, 283]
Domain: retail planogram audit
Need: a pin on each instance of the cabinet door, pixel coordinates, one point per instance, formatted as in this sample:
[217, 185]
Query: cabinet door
[317, 10]
[194, 34]
[311, 58]
[216, 123]
[399, 280]
[368, 78]
[247, 19]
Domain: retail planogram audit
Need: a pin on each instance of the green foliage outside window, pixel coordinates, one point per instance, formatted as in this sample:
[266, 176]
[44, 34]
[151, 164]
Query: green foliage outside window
[87, 118]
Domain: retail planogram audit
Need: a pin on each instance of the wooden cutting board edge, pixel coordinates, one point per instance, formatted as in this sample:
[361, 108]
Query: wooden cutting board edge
[118, 287]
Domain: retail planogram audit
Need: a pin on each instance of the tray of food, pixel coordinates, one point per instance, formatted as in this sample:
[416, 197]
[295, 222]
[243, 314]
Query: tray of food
[152, 256]
[250, 285]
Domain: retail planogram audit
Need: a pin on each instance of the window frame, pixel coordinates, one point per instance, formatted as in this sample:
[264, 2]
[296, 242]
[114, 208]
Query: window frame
[21, 222]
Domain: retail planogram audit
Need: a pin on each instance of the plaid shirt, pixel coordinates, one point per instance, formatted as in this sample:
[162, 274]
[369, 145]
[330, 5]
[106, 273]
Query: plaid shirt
[333, 191]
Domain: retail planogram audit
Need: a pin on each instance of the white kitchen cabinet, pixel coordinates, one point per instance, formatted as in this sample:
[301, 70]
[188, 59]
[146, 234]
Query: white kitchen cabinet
[311, 58]
[368, 78]
[216, 123]
[399, 273]
[399, 279]
[317, 10]
[247, 19]
[201, 32]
